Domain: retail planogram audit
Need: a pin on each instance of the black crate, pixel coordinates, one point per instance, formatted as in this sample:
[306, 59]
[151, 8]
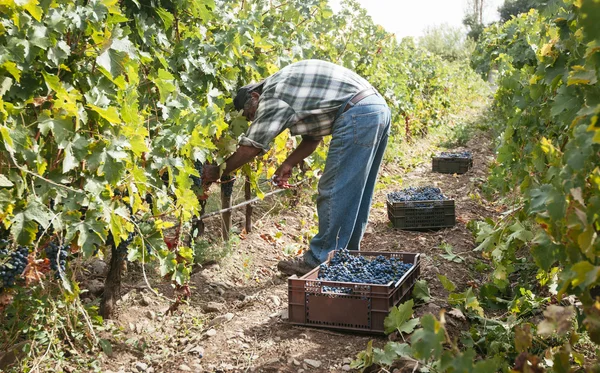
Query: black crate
[451, 165]
[422, 215]
[363, 309]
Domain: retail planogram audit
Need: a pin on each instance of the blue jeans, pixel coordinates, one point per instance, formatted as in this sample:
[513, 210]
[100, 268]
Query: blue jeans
[346, 187]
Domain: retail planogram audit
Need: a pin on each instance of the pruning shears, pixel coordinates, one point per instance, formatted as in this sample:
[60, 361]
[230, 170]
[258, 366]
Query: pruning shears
[280, 183]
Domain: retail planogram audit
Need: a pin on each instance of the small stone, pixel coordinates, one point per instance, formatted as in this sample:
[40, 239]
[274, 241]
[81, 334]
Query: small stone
[346, 368]
[211, 333]
[95, 287]
[275, 299]
[144, 301]
[198, 351]
[313, 363]
[185, 368]
[346, 361]
[150, 314]
[213, 307]
[141, 367]
[98, 267]
[150, 370]
[300, 370]
[220, 319]
[285, 314]
[296, 362]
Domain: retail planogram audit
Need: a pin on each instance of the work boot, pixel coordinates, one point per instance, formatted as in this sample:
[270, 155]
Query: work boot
[296, 266]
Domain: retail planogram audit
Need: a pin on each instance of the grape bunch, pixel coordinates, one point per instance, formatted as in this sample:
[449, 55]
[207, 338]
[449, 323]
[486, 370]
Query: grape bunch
[122, 248]
[427, 193]
[11, 264]
[465, 154]
[345, 267]
[57, 255]
[198, 180]
[227, 185]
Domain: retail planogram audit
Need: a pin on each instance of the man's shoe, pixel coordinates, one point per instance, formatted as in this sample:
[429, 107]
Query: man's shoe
[295, 266]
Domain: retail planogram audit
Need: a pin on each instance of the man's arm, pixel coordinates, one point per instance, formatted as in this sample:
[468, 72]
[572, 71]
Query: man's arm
[306, 148]
[242, 155]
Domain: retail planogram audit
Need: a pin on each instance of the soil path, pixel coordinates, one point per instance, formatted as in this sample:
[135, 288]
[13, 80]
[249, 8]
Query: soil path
[236, 321]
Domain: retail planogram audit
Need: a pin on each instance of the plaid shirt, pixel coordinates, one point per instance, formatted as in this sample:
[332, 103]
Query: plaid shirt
[304, 97]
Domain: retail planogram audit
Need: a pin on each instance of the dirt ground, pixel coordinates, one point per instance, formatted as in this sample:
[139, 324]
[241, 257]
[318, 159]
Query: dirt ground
[237, 317]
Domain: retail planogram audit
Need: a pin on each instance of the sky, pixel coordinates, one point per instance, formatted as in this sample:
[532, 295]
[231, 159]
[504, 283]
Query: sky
[412, 17]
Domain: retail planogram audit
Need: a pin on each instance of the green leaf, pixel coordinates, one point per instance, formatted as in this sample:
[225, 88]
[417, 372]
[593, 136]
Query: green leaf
[166, 17]
[421, 291]
[398, 318]
[5, 183]
[111, 113]
[13, 70]
[69, 161]
[32, 7]
[446, 283]
[428, 341]
[545, 252]
[106, 347]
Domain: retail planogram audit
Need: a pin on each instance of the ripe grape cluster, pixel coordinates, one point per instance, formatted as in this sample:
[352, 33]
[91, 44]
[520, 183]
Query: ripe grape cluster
[122, 248]
[465, 154]
[11, 264]
[227, 185]
[345, 267]
[198, 179]
[427, 193]
[57, 255]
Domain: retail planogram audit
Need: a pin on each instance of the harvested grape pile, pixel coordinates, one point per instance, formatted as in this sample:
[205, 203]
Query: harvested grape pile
[427, 193]
[466, 154]
[345, 267]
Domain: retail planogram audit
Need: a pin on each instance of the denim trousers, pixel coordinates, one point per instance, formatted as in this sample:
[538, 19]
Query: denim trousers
[345, 192]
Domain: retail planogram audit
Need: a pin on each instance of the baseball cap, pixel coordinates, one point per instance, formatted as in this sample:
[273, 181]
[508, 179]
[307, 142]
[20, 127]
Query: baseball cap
[243, 94]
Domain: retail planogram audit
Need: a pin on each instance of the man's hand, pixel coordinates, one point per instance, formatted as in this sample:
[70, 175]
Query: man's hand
[210, 174]
[283, 173]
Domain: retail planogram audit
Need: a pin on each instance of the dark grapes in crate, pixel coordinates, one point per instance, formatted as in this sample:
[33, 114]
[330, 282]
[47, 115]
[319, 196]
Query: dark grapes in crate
[427, 193]
[465, 154]
[345, 267]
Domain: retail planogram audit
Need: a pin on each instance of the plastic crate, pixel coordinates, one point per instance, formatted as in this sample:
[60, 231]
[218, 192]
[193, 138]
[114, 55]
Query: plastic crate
[451, 165]
[364, 309]
[422, 215]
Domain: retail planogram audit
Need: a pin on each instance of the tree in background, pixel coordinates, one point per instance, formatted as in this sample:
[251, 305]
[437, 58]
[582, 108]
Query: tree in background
[450, 43]
[512, 8]
[474, 18]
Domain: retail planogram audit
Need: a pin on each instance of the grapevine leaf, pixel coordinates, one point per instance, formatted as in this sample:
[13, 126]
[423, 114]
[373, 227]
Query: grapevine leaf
[523, 338]
[166, 17]
[398, 318]
[32, 7]
[62, 128]
[428, 341]
[91, 235]
[545, 252]
[13, 70]
[421, 291]
[589, 19]
[446, 283]
[112, 62]
[5, 84]
[69, 161]
[110, 113]
[22, 229]
[106, 347]
[5, 183]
